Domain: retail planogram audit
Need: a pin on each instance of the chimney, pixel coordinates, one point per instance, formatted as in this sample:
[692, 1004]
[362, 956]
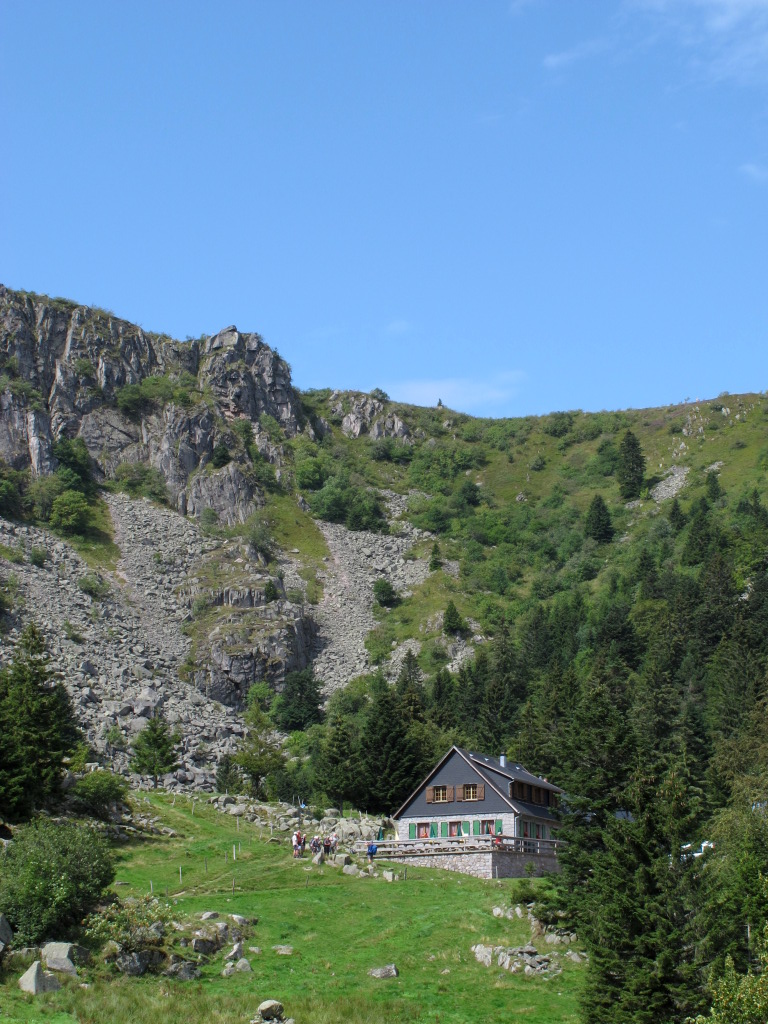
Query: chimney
[503, 760]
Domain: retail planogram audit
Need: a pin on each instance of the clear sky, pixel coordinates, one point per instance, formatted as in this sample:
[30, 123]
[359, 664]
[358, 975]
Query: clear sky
[515, 206]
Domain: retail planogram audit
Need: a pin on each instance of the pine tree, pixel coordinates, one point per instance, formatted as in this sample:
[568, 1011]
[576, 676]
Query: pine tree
[388, 760]
[452, 620]
[631, 467]
[260, 754]
[435, 561]
[37, 729]
[597, 524]
[155, 749]
[338, 765]
[677, 519]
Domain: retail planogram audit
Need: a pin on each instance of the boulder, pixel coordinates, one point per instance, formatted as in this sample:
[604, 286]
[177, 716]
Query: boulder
[205, 947]
[243, 964]
[62, 965]
[35, 980]
[342, 859]
[283, 950]
[271, 1009]
[185, 970]
[57, 951]
[483, 954]
[236, 952]
[351, 869]
[240, 921]
[319, 858]
[6, 932]
[210, 915]
[388, 971]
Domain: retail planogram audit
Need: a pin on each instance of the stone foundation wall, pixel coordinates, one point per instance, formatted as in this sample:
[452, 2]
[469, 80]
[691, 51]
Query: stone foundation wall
[483, 864]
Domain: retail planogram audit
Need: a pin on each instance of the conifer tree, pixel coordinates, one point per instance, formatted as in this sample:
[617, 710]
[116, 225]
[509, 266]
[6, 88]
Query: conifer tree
[452, 620]
[37, 729]
[155, 749]
[597, 524]
[338, 765]
[388, 759]
[631, 467]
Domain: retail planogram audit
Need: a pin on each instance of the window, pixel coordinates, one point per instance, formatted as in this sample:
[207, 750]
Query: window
[454, 828]
[470, 791]
[487, 827]
[422, 830]
[441, 794]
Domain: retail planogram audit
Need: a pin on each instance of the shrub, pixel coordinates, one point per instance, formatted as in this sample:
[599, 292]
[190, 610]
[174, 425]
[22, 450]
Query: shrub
[52, 874]
[98, 791]
[537, 463]
[271, 593]
[128, 923]
[84, 368]
[141, 481]
[209, 517]
[69, 512]
[220, 456]
[384, 593]
[258, 536]
[38, 557]
[94, 586]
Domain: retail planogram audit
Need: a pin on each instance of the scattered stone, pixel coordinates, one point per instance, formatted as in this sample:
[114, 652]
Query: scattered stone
[62, 965]
[283, 950]
[236, 952]
[205, 947]
[351, 869]
[388, 971]
[35, 980]
[243, 964]
[209, 915]
[270, 1009]
[184, 970]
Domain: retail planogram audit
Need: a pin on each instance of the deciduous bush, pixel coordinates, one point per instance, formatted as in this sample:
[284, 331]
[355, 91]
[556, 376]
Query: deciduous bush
[98, 791]
[50, 876]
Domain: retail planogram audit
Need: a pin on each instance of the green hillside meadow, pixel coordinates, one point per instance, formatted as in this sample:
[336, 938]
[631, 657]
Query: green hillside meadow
[339, 927]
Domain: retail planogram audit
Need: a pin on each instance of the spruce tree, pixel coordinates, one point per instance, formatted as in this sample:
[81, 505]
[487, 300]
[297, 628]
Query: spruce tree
[37, 729]
[155, 749]
[388, 759]
[453, 623]
[338, 765]
[597, 524]
[631, 467]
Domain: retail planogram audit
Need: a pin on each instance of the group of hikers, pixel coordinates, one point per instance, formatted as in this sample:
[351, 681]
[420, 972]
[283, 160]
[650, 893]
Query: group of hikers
[328, 844]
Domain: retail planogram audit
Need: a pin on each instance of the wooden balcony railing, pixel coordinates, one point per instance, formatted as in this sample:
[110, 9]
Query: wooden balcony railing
[525, 847]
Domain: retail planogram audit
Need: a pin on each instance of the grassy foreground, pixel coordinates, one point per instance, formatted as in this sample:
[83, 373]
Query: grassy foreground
[339, 927]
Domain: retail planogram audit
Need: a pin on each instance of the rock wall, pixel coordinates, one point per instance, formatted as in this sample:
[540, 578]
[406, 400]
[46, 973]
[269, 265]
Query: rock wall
[62, 366]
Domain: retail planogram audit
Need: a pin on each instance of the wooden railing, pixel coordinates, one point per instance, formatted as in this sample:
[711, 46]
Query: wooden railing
[463, 844]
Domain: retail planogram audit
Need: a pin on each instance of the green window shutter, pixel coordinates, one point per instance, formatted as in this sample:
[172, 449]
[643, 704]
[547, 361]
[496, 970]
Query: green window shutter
[412, 831]
[444, 828]
[433, 830]
[465, 828]
[475, 828]
[499, 826]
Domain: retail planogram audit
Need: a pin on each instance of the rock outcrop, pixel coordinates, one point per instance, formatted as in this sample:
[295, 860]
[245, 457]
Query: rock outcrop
[63, 368]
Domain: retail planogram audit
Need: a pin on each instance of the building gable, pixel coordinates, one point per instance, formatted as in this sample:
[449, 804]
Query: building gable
[457, 785]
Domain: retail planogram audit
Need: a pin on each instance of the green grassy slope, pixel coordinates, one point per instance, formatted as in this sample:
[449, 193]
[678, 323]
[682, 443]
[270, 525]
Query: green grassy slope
[339, 927]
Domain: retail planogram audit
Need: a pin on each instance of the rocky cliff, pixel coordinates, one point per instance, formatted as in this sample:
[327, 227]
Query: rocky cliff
[65, 367]
[180, 618]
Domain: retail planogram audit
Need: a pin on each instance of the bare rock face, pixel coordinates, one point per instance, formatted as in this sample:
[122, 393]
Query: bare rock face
[63, 365]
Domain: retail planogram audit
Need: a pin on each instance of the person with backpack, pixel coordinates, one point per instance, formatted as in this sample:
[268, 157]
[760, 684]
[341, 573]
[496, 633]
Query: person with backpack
[372, 851]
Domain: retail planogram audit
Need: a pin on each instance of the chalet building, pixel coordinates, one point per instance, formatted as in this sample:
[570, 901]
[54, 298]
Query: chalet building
[481, 815]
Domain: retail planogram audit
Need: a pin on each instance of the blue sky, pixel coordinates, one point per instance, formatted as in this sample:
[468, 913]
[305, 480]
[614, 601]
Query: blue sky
[515, 206]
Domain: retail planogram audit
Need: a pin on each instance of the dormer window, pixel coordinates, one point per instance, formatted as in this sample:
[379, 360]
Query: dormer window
[441, 794]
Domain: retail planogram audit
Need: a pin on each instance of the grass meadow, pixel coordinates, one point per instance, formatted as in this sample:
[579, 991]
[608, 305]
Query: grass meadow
[339, 927]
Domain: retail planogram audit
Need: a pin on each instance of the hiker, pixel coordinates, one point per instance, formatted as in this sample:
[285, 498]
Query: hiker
[327, 846]
[295, 839]
[334, 842]
[372, 851]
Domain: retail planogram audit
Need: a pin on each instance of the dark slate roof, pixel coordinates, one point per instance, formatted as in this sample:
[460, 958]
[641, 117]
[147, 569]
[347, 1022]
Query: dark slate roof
[491, 771]
[512, 770]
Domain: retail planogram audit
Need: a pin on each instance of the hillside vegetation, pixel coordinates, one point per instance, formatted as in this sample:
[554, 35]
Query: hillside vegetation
[593, 601]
